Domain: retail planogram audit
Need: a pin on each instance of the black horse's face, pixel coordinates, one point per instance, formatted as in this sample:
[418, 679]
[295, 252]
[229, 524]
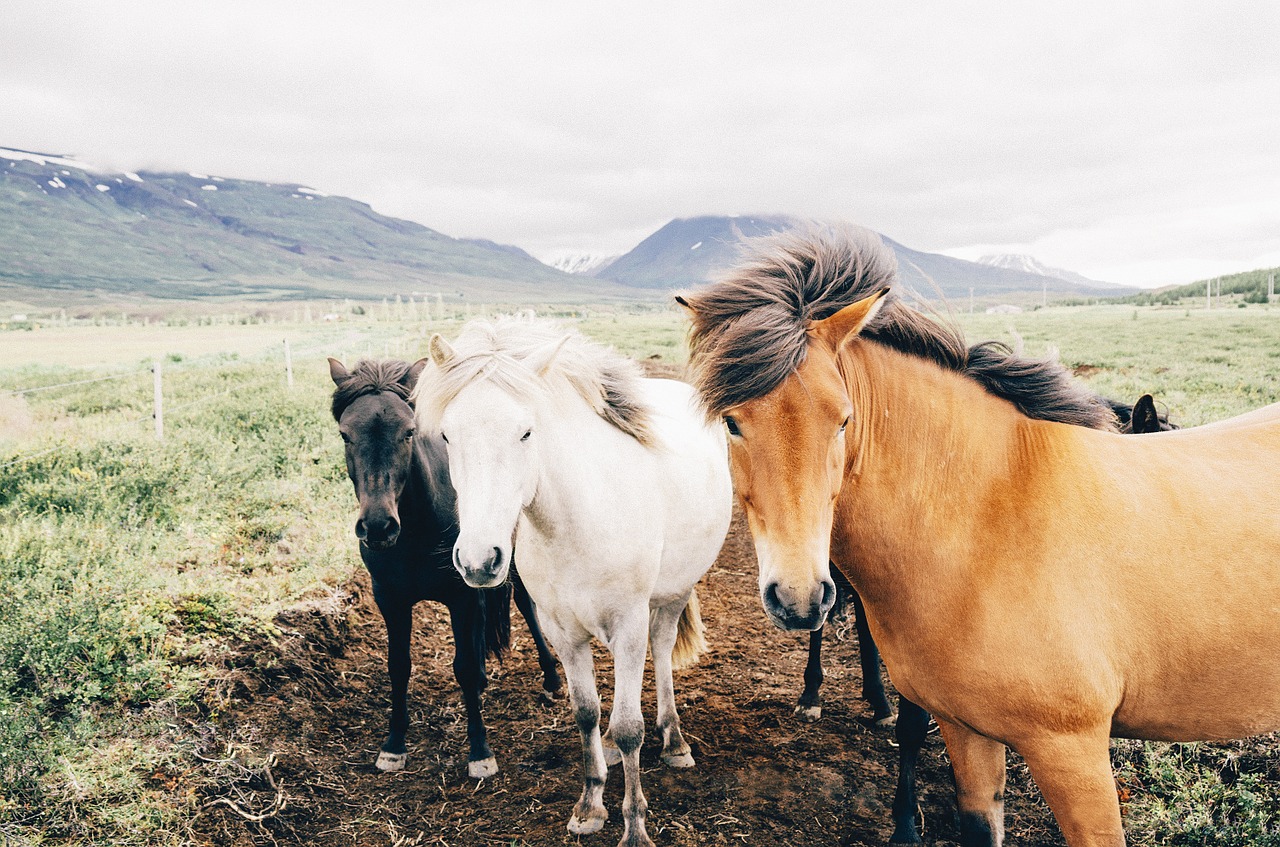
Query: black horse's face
[378, 432]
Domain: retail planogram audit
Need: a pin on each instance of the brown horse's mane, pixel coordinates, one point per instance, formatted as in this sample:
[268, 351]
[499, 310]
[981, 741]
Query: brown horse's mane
[749, 329]
[370, 377]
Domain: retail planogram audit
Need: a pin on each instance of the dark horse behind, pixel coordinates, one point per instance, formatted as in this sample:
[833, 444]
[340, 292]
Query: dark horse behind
[406, 529]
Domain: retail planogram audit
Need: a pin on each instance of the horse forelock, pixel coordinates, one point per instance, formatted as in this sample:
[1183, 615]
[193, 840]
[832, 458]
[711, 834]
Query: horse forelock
[370, 377]
[497, 351]
[749, 329]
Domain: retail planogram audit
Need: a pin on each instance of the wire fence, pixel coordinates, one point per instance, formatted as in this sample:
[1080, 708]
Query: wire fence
[167, 373]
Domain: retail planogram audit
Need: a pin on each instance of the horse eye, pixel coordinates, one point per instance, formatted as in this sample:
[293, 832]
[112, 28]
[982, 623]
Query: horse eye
[346, 439]
[408, 436]
[844, 423]
[525, 437]
[444, 438]
[732, 426]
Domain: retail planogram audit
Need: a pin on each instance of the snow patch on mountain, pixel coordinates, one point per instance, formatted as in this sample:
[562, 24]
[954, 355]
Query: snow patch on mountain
[1032, 265]
[579, 263]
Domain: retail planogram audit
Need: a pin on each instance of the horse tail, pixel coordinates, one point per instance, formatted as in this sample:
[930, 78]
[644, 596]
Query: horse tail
[691, 638]
[497, 620]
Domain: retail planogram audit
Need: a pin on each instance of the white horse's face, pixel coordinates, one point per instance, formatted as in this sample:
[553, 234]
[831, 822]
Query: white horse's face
[493, 464]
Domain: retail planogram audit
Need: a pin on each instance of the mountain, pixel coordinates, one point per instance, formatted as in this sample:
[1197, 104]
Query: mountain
[69, 229]
[1032, 265]
[929, 274]
[690, 251]
[589, 264]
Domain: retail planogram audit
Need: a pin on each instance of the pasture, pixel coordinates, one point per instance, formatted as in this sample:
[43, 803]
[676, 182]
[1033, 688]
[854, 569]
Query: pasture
[189, 652]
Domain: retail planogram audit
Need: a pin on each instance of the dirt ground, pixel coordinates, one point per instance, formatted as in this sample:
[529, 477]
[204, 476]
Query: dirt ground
[313, 711]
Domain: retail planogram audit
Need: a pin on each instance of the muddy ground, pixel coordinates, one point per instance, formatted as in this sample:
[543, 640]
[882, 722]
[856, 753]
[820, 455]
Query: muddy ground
[305, 719]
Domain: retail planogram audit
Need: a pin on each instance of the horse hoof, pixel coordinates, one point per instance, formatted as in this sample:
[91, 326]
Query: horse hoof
[678, 760]
[549, 697]
[595, 823]
[887, 722]
[612, 755]
[808, 714]
[391, 762]
[482, 768]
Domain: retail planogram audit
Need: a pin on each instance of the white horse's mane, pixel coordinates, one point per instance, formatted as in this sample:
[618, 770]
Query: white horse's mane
[497, 351]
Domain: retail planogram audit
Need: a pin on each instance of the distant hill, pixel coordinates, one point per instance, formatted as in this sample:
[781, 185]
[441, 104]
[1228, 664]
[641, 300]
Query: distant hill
[1247, 287]
[70, 228]
[690, 251]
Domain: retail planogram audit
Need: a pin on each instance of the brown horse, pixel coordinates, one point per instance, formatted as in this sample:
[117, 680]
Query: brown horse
[1005, 559]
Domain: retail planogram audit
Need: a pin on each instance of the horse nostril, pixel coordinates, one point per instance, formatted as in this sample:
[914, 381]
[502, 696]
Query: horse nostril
[393, 528]
[362, 531]
[828, 595]
[771, 601]
[496, 561]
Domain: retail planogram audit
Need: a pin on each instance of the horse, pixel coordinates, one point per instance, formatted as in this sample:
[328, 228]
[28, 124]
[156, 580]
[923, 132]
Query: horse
[406, 531]
[1000, 537]
[911, 723]
[1142, 417]
[618, 494]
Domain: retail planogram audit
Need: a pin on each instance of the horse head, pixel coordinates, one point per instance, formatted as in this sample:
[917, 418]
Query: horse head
[377, 426]
[787, 451]
[489, 424]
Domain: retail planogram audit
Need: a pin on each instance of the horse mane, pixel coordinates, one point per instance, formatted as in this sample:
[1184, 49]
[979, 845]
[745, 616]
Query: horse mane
[370, 377]
[749, 329]
[496, 350]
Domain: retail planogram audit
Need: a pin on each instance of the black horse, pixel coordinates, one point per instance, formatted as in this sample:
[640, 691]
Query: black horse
[911, 724]
[407, 528]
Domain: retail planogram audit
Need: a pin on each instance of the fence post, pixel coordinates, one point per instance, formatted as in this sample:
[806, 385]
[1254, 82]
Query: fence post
[288, 364]
[159, 399]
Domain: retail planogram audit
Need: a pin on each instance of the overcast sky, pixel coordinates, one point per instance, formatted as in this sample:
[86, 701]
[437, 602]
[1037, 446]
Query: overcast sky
[1135, 143]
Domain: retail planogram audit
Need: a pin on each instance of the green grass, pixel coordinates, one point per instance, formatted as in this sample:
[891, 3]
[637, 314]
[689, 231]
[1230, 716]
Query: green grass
[134, 570]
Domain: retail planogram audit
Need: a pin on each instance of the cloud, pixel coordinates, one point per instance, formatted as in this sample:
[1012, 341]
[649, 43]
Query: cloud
[1091, 131]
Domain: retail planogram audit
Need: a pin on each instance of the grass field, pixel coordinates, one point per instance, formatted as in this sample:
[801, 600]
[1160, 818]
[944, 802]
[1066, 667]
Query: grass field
[135, 570]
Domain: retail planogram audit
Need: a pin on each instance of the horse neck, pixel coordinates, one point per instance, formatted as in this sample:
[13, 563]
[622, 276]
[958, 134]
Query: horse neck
[931, 452]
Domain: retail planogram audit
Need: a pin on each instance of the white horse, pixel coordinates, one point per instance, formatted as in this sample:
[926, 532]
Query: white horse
[620, 498]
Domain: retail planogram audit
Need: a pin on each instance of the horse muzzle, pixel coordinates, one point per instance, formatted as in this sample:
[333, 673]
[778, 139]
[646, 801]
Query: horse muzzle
[482, 568]
[378, 533]
[788, 610]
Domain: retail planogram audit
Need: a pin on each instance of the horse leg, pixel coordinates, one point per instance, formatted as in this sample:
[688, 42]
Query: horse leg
[589, 814]
[809, 706]
[663, 624]
[869, 655]
[911, 730]
[978, 764]
[626, 724]
[399, 621]
[468, 669]
[551, 686]
[1074, 774]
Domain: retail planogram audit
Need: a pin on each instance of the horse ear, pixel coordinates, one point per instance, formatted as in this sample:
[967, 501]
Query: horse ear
[337, 371]
[1145, 418]
[540, 360]
[849, 321]
[410, 378]
[441, 353]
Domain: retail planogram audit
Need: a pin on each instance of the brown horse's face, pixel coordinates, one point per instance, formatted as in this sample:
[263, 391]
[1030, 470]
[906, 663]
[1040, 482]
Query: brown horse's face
[788, 451]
